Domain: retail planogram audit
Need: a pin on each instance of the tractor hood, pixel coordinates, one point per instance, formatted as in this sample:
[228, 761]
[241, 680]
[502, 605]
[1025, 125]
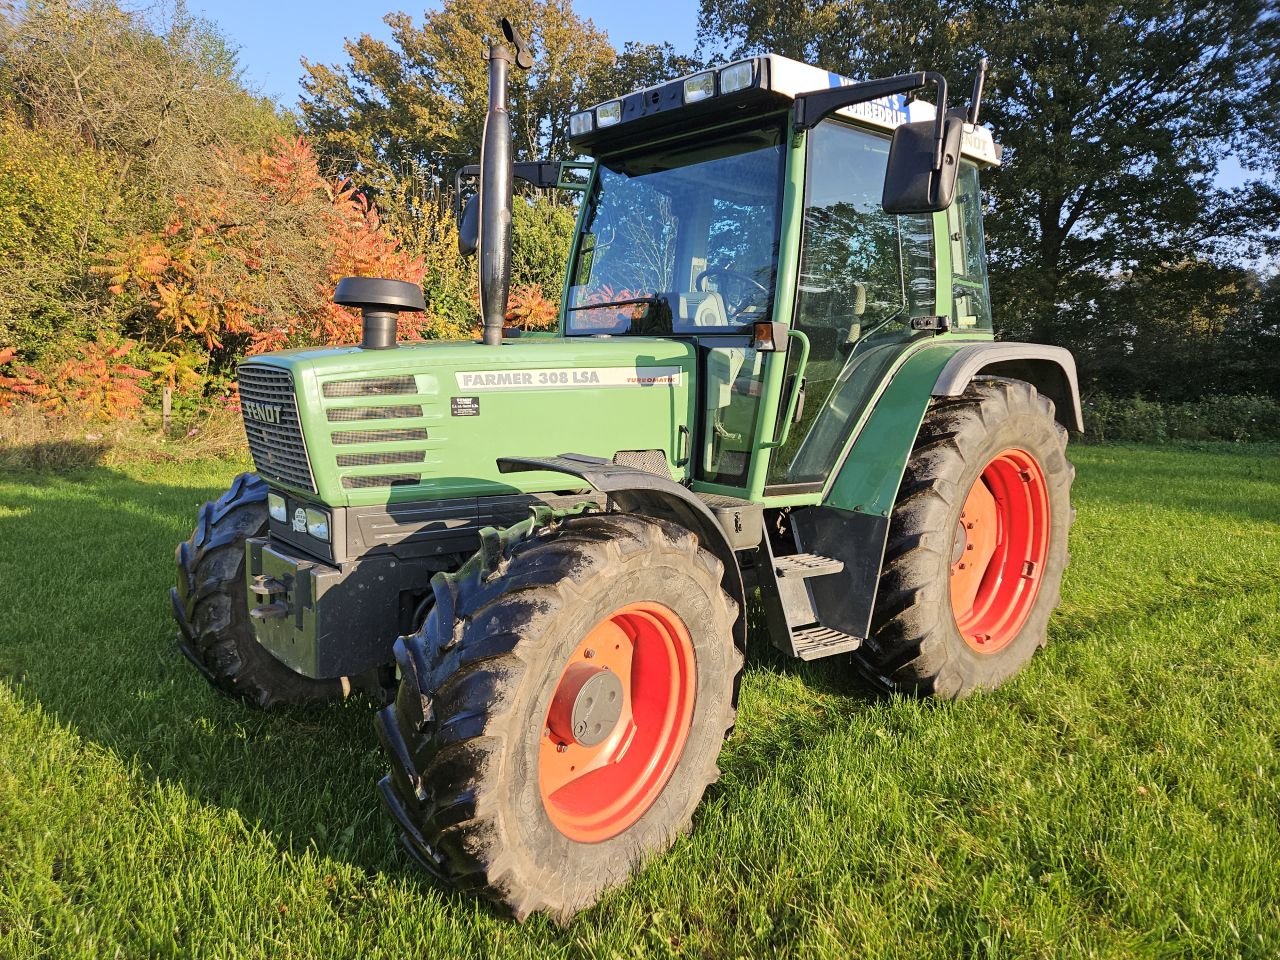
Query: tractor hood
[352, 427]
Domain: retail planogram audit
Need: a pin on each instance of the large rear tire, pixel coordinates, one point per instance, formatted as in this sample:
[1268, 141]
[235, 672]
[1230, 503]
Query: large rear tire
[211, 605]
[602, 644]
[977, 544]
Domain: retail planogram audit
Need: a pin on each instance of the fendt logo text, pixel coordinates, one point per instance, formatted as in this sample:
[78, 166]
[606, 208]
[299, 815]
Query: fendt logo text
[262, 412]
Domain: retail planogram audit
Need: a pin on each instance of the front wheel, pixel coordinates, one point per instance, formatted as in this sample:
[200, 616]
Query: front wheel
[560, 714]
[977, 544]
[211, 605]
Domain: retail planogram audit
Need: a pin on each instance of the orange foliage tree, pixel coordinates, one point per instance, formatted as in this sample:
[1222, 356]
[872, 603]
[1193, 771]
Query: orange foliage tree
[19, 384]
[100, 384]
[250, 259]
[530, 309]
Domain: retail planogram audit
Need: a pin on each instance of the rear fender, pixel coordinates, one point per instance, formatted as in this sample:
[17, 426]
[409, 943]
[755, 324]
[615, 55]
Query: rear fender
[852, 523]
[1051, 370]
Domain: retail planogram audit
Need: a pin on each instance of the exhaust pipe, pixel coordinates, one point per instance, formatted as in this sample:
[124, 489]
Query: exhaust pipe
[496, 175]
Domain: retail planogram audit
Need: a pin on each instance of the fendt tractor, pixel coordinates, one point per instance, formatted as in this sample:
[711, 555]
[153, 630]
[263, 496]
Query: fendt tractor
[774, 371]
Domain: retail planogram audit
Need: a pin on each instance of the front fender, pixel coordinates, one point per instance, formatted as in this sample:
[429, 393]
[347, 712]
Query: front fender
[633, 490]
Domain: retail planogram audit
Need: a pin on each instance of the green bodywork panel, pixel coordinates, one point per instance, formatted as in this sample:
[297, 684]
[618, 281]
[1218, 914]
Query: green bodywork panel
[872, 469]
[477, 403]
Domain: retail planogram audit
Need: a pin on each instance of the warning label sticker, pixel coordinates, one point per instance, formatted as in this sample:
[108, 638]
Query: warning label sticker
[569, 377]
[464, 406]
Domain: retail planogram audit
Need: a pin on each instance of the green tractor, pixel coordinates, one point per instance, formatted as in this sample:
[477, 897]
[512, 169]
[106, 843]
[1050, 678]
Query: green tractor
[774, 371]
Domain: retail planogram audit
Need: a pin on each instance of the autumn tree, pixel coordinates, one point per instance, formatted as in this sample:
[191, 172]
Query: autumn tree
[420, 99]
[249, 260]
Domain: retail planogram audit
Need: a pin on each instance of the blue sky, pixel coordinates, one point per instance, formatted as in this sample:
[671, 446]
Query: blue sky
[273, 34]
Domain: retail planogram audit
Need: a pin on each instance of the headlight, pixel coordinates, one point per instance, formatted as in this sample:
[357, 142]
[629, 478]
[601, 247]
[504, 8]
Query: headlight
[737, 77]
[699, 87]
[318, 524]
[276, 507]
[581, 123]
[607, 114]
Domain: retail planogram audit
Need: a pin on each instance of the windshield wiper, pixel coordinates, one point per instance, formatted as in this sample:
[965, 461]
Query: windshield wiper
[653, 300]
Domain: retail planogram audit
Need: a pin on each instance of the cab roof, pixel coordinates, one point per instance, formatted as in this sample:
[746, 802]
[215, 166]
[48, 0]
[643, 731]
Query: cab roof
[756, 86]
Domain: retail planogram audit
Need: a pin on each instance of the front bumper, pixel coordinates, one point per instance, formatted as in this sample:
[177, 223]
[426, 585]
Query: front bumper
[326, 621]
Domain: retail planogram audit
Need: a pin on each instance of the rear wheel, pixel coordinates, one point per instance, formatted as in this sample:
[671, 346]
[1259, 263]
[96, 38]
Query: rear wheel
[211, 605]
[977, 544]
[560, 714]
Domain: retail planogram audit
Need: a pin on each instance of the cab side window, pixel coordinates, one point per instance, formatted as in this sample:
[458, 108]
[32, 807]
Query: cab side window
[971, 299]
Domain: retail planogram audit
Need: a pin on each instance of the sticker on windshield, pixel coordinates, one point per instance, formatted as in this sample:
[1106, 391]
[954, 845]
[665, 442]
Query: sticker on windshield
[557, 378]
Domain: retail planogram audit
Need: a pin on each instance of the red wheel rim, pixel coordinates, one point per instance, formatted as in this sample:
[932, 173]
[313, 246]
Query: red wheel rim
[593, 793]
[997, 557]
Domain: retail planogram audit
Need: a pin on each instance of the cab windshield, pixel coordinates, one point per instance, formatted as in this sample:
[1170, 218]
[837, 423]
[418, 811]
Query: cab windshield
[680, 240]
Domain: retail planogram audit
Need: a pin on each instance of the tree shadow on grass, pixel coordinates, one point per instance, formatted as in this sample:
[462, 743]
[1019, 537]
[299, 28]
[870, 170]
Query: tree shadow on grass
[87, 560]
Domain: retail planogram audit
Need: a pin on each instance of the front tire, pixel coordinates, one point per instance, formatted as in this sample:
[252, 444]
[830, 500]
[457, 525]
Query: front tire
[211, 605]
[505, 701]
[977, 544]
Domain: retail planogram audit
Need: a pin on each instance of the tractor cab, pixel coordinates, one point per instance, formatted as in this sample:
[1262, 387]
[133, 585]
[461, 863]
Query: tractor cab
[737, 211]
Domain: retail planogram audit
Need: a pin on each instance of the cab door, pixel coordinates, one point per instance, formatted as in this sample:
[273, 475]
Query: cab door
[864, 275]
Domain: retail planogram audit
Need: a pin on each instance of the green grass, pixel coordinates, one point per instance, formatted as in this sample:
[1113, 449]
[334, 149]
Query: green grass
[1118, 799]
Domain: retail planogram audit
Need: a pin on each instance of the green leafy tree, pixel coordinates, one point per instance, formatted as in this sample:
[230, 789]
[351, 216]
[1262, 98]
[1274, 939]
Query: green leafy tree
[56, 210]
[153, 91]
[1114, 114]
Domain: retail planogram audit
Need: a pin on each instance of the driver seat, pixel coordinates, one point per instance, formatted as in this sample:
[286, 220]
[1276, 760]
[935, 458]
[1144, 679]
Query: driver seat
[702, 309]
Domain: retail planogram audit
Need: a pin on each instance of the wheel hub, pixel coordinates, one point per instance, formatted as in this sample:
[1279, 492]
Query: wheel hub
[617, 722]
[587, 705]
[998, 550]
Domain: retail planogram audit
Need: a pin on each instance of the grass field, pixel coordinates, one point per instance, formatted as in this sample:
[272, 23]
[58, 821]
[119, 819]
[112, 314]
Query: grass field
[1120, 798]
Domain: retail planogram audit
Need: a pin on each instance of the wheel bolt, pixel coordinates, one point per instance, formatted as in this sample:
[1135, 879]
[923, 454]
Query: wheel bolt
[969, 525]
[561, 747]
[589, 653]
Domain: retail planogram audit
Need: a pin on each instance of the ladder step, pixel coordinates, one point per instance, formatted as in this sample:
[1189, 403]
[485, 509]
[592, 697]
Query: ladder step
[815, 641]
[806, 565]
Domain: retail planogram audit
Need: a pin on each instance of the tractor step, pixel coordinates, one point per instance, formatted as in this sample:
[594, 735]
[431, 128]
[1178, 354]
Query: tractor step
[806, 565]
[815, 641]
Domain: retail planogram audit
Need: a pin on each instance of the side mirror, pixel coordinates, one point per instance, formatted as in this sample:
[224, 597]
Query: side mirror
[469, 227]
[913, 183]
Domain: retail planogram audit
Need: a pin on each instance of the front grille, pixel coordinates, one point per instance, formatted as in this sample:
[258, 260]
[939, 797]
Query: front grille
[378, 436]
[271, 424]
[370, 387]
[348, 414]
[390, 480]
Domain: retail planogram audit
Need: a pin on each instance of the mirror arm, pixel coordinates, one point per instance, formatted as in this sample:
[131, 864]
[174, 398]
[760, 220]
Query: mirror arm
[543, 174]
[814, 107]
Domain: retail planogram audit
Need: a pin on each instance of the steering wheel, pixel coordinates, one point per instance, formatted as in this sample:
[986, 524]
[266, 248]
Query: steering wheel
[741, 303]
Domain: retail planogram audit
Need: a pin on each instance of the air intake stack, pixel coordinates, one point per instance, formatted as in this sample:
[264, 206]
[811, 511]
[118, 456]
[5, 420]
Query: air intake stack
[379, 301]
